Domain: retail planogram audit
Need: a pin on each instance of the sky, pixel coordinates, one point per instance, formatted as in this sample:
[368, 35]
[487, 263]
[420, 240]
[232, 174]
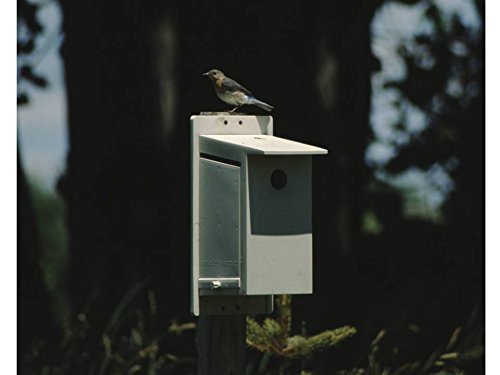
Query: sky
[42, 131]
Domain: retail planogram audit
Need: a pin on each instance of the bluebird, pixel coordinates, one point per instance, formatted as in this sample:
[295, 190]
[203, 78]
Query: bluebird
[231, 92]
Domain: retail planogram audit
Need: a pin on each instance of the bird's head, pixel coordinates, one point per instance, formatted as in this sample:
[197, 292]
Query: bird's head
[214, 75]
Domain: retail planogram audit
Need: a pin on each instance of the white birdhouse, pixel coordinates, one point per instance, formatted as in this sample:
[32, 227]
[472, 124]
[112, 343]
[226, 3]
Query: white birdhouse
[252, 219]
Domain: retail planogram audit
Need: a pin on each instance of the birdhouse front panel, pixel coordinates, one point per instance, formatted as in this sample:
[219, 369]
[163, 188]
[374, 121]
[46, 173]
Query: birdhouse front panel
[278, 242]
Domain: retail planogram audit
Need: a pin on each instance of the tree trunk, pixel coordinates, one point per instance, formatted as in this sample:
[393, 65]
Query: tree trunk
[35, 320]
[120, 174]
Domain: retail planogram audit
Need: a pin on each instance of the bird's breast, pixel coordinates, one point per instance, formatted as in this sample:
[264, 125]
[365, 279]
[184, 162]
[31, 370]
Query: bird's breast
[233, 98]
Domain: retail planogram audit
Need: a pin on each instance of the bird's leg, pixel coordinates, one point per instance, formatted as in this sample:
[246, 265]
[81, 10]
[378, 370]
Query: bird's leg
[234, 109]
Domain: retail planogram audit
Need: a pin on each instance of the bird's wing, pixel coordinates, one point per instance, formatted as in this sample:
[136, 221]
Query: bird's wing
[233, 86]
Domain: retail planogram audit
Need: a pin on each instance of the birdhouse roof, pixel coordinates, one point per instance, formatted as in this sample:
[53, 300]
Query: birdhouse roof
[264, 145]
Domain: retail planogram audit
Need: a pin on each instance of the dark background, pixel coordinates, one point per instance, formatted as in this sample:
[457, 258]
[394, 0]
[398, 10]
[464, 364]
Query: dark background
[133, 78]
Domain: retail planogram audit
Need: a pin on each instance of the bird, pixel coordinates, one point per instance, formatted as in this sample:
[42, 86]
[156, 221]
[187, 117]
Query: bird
[231, 92]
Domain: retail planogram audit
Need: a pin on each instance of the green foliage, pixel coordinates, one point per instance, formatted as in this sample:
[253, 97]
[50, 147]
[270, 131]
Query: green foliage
[53, 236]
[273, 336]
[268, 337]
[304, 346]
[462, 353]
[49, 210]
[133, 342]
[370, 223]
[390, 352]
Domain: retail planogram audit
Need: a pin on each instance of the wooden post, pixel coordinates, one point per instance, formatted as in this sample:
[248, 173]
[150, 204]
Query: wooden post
[221, 345]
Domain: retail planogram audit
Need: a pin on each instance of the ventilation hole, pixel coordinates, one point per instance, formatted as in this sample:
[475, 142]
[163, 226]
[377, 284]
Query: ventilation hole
[240, 122]
[278, 179]
[225, 122]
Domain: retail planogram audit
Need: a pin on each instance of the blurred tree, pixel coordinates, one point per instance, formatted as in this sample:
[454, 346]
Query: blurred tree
[445, 80]
[119, 178]
[37, 331]
[431, 271]
[28, 30]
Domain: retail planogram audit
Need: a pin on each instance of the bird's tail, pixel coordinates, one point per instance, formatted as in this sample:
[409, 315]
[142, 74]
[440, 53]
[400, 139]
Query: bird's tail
[260, 104]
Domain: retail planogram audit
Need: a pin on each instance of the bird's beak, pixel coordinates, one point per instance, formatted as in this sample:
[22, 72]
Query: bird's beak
[206, 74]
